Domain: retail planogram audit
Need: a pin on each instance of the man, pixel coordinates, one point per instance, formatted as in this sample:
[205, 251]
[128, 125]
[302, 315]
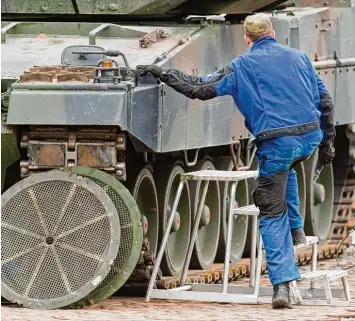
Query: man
[290, 112]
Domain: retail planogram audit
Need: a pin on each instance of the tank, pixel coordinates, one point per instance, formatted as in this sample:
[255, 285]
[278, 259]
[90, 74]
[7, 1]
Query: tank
[96, 150]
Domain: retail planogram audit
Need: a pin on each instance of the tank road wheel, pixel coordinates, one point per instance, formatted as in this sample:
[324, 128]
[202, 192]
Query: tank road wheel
[144, 192]
[240, 224]
[167, 181]
[319, 201]
[131, 234]
[60, 235]
[206, 243]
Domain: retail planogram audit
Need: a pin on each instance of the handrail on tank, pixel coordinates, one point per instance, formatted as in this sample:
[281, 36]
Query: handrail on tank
[69, 86]
[345, 62]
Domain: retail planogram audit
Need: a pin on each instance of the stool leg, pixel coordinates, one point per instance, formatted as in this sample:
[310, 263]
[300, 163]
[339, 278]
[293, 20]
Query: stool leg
[229, 238]
[346, 288]
[258, 267]
[164, 241]
[314, 261]
[254, 233]
[328, 291]
[194, 234]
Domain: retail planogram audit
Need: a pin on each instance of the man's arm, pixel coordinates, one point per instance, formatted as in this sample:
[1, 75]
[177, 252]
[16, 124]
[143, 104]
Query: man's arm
[219, 83]
[326, 108]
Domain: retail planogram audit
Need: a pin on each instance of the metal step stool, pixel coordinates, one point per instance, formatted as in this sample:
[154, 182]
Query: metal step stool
[311, 295]
[252, 294]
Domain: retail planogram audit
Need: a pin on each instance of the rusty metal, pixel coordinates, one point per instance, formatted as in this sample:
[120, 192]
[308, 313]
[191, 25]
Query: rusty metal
[98, 155]
[344, 214]
[46, 69]
[121, 142]
[75, 148]
[237, 271]
[71, 140]
[46, 155]
[36, 77]
[152, 37]
[79, 77]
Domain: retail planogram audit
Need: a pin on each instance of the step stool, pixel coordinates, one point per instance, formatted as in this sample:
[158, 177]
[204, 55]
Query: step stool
[252, 294]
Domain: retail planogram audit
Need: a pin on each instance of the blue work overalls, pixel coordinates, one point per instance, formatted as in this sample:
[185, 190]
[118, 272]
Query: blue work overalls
[277, 156]
[278, 92]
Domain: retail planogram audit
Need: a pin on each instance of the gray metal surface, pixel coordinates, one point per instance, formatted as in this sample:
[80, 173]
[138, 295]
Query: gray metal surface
[119, 7]
[321, 32]
[176, 122]
[264, 291]
[247, 210]
[68, 107]
[205, 296]
[320, 275]
[144, 115]
[41, 44]
[60, 235]
[309, 240]
[214, 175]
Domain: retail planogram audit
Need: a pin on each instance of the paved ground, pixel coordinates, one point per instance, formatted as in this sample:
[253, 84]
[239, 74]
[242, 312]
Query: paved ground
[135, 309]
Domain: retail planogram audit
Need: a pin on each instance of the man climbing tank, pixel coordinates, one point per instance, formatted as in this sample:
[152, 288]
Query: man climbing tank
[290, 112]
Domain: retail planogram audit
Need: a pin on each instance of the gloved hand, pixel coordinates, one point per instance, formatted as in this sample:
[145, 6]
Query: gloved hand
[326, 154]
[153, 69]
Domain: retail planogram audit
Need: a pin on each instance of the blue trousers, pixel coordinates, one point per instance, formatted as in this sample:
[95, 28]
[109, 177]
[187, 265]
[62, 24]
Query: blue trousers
[276, 195]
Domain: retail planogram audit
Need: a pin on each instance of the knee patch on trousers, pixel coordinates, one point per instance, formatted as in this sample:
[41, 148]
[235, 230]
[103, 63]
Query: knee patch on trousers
[270, 194]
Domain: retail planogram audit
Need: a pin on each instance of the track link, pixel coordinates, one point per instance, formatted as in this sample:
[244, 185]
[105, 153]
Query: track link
[344, 220]
[242, 269]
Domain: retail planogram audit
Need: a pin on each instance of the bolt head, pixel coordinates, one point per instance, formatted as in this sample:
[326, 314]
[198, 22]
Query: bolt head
[24, 170]
[112, 7]
[119, 173]
[24, 137]
[120, 139]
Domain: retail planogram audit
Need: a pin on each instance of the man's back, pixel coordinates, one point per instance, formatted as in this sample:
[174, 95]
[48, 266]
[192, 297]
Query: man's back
[276, 87]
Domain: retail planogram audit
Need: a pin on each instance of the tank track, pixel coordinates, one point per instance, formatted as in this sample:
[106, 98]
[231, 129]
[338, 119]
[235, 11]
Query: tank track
[343, 219]
[242, 269]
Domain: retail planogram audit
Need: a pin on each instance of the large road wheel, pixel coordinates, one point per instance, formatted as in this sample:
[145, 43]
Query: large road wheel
[167, 181]
[206, 243]
[131, 234]
[319, 201]
[60, 234]
[143, 189]
[301, 181]
[240, 223]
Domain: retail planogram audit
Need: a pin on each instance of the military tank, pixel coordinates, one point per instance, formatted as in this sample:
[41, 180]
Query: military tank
[92, 151]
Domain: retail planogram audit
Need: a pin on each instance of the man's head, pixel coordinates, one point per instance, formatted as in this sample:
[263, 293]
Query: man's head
[257, 26]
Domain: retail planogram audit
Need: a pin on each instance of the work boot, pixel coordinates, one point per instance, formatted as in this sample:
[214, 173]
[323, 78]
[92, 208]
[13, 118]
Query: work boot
[281, 298]
[298, 236]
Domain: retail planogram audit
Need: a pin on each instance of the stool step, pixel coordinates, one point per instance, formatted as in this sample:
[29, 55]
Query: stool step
[323, 275]
[253, 210]
[246, 210]
[309, 240]
[214, 175]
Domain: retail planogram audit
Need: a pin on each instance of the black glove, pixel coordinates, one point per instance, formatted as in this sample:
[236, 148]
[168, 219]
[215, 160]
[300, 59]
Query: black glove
[326, 154]
[153, 69]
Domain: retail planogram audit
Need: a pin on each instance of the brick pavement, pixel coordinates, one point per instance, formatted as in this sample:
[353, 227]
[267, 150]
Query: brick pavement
[135, 309]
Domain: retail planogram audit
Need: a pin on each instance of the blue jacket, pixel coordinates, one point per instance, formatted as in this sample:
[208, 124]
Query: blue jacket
[275, 87]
